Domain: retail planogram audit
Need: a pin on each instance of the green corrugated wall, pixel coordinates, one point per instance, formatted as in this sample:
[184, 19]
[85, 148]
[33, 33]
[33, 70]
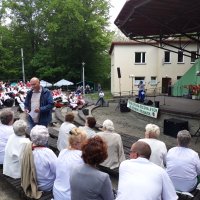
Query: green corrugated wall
[189, 78]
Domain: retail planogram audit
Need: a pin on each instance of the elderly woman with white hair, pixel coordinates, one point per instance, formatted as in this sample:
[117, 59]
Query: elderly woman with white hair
[183, 164]
[14, 150]
[6, 130]
[158, 148]
[40, 159]
[115, 146]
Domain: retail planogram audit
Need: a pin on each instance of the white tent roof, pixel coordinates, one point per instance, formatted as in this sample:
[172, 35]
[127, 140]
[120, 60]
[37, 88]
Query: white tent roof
[63, 82]
[45, 83]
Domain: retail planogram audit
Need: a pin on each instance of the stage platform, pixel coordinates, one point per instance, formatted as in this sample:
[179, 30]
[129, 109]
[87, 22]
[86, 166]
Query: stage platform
[177, 105]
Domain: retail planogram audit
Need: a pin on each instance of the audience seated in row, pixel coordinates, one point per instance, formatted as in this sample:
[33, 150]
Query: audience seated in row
[89, 127]
[64, 131]
[67, 160]
[158, 148]
[38, 164]
[115, 145]
[14, 150]
[141, 179]
[86, 181]
[6, 130]
[183, 164]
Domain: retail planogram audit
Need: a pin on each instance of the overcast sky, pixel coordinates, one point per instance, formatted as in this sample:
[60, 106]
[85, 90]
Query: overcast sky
[114, 11]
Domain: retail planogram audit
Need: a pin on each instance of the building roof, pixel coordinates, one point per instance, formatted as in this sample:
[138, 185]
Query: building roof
[159, 20]
[144, 18]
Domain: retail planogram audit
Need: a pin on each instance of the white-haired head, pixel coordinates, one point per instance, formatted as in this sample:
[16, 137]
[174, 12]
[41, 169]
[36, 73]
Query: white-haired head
[108, 125]
[20, 127]
[152, 131]
[39, 135]
[184, 138]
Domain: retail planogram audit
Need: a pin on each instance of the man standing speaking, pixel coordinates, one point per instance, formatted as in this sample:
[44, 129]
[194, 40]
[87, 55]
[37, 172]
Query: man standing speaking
[38, 104]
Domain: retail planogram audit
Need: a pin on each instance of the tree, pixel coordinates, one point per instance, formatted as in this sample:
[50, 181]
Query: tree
[58, 35]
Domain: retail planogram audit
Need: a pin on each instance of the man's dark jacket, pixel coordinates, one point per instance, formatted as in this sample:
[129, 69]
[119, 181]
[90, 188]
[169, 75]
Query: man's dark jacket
[46, 105]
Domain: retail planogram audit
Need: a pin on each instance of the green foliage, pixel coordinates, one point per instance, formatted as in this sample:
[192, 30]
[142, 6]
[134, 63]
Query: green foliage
[58, 35]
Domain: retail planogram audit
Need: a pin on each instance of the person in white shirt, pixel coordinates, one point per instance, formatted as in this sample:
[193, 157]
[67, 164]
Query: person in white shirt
[44, 158]
[14, 150]
[89, 125]
[183, 164]
[158, 148]
[6, 130]
[67, 160]
[115, 146]
[64, 130]
[101, 98]
[141, 179]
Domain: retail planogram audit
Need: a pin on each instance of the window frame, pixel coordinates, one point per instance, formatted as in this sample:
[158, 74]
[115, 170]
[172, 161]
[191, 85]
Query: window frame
[142, 57]
[182, 56]
[138, 79]
[167, 62]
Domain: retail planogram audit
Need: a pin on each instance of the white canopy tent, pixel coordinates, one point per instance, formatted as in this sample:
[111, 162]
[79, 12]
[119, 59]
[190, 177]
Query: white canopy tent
[45, 83]
[63, 82]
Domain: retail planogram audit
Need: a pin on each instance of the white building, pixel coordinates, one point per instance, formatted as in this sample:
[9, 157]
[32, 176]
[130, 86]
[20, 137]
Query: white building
[158, 68]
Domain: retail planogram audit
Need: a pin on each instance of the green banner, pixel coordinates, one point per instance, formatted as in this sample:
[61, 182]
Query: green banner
[143, 109]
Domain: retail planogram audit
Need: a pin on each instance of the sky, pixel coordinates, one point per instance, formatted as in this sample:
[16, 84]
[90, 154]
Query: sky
[115, 9]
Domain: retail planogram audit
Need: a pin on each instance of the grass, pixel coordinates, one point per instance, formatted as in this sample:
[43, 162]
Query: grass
[95, 96]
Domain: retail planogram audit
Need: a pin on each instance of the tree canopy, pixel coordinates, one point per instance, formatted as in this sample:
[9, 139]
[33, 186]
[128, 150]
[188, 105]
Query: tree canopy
[56, 37]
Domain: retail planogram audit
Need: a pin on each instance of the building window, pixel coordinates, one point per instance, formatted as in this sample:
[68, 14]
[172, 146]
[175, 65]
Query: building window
[140, 57]
[167, 57]
[138, 79]
[153, 81]
[180, 57]
[193, 56]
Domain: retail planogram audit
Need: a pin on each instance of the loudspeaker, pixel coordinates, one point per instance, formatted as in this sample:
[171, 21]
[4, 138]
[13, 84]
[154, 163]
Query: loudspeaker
[124, 108]
[85, 111]
[157, 104]
[118, 72]
[136, 100]
[172, 126]
[148, 102]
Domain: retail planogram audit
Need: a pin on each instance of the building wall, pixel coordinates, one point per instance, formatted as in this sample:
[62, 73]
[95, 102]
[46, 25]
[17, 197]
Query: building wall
[123, 56]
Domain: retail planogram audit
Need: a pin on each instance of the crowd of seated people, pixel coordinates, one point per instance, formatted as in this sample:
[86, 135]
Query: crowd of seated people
[13, 94]
[150, 173]
[73, 100]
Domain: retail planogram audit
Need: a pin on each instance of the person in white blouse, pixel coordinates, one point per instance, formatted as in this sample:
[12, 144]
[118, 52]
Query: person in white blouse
[64, 130]
[115, 146]
[141, 179]
[6, 130]
[67, 160]
[158, 148]
[183, 164]
[44, 158]
[14, 150]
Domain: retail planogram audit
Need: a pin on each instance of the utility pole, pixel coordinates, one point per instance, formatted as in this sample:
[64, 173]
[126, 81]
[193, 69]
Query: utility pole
[83, 66]
[23, 73]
